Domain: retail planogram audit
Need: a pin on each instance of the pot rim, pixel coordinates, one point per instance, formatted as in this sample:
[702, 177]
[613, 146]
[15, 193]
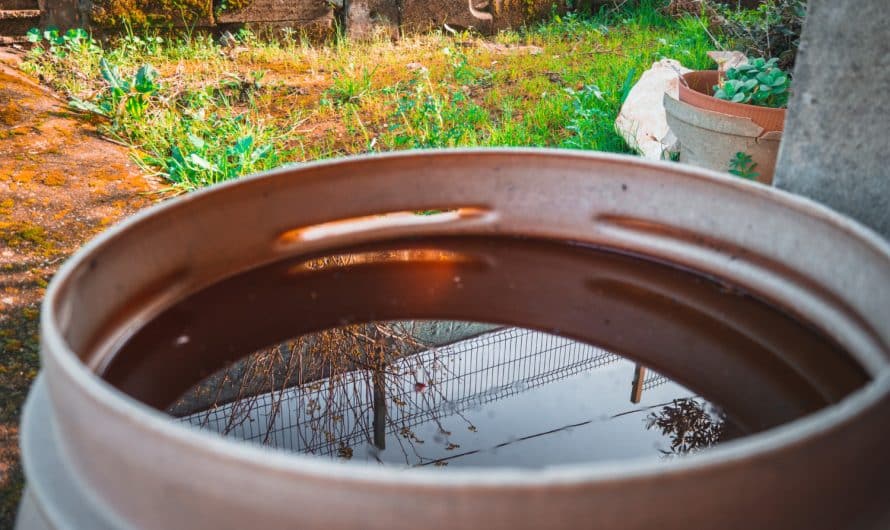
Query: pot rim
[57, 353]
[770, 118]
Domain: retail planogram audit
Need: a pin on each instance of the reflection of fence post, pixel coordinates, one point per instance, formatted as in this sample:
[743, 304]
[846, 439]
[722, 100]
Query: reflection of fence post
[636, 389]
[379, 409]
[463, 385]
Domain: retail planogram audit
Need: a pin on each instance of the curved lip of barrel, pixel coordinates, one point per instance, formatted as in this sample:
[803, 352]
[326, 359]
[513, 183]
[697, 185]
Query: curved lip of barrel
[143, 417]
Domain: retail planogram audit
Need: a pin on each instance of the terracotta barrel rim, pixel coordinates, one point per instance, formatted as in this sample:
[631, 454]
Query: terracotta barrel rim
[70, 383]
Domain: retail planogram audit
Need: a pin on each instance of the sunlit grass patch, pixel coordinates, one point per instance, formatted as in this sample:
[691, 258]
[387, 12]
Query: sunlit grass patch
[222, 111]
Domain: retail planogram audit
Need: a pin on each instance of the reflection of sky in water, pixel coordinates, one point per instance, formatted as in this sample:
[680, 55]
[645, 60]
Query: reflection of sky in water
[511, 397]
[596, 396]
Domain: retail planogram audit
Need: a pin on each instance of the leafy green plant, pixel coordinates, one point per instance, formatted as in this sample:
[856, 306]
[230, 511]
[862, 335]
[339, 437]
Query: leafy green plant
[349, 87]
[463, 72]
[61, 44]
[122, 95]
[203, 163]
[426, 118]
[145, 45]
[742, 165]
[588, 112]
[571, 24]
[759, 82]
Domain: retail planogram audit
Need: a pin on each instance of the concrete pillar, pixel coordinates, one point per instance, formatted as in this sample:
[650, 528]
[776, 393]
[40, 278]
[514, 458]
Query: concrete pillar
[836, 148]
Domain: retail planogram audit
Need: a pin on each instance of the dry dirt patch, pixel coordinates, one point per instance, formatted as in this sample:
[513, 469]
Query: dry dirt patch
[60, 184]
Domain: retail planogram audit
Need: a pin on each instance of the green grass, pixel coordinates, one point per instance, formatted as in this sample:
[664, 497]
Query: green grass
[220, 113]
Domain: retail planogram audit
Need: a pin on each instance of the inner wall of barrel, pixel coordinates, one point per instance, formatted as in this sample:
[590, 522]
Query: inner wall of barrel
[762, 366]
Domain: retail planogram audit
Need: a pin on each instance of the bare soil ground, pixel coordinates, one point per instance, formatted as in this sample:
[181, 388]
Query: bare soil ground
[60, 184]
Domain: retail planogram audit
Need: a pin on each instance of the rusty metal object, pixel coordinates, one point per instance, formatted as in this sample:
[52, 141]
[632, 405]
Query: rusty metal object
[97, 458]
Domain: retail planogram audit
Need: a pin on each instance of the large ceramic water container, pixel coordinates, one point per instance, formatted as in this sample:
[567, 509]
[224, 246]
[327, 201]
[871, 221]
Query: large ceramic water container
[753, 297]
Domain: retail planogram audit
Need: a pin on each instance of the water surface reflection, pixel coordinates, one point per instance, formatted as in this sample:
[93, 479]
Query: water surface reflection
[493, 397]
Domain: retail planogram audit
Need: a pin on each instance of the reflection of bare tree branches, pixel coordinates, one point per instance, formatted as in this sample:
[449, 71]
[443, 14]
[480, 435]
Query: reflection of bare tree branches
[325, 361]
[690, 427]
[368, 387]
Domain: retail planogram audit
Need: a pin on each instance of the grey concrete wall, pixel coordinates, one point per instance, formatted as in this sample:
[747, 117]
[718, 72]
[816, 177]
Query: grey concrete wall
[836, 148]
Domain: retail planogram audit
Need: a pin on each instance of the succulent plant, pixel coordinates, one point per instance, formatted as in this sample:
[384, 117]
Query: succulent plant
[759, 82]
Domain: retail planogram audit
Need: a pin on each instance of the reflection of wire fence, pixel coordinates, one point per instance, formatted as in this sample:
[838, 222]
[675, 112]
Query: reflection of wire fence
[654, 379]
[330, 415]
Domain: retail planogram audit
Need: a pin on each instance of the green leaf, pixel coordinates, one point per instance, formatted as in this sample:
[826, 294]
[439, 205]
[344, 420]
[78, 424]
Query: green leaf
[780, 81]
[52, 34]
[199, 161]
[145, 79]
[112, 76]
[196, 141]
[87, 106]
[260, 153]
[34, 35]
[135, 107]
[742, 165]
[75, 35]
[176, 155]
[243, 145]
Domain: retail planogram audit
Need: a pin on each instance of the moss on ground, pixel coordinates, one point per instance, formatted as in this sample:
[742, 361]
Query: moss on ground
[141, 13]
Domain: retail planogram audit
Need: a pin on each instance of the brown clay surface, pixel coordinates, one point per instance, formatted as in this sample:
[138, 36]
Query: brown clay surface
[60, 184]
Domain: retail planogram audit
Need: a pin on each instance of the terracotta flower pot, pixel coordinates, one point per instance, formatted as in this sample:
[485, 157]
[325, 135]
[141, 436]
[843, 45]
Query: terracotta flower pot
[699, 93]
[712, 131]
